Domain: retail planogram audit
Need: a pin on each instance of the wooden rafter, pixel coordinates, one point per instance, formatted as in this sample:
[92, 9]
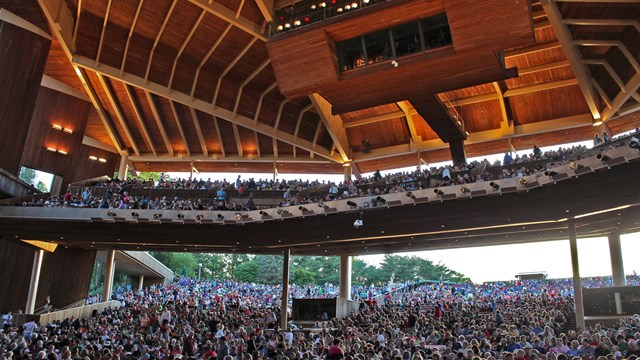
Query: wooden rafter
[184, 45]
[229, 67]
[540, 87]
[239, 10]
[156, 116]
[333, 124]
[231, 158]
[317, 133]
[603, 22]
[374, 119]
[228, 15]
[266, 8]
[630, 57]
[279, 115]
[139, 115]
[275, 148]
[157, 40]
[118, 111]
[206, 58]
[408, 115]
[107, 122]
[76, 26]
[602, 93]
[474, 99]
[631, 87]
[572, 53]
[302, 112]
[196, 124]
[201, 105]
[104, 27]
[255, 133]
[131, 31]
[215, 124]
[543, 67]
[248, 80]
[259, 107]
[505, 123]
[614, 75]
[532, 49]
[180, 129]
[236, 135]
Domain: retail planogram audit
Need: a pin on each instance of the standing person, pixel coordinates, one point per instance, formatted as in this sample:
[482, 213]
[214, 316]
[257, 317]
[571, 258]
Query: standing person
[238, 182]
[29, 329]
[6, 321]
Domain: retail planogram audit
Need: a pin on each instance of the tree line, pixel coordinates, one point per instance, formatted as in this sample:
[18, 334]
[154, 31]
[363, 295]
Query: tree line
[304, 270]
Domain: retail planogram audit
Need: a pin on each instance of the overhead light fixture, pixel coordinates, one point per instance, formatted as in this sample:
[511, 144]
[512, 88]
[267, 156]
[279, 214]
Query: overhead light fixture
[339, 9]
[352, 204]
[220, 217]
[354, 5]
[597, 122]
[102, 160]
[438, 192]
[464, 190]
[409, 194]
[296, 23]
[287, 25]
[313, 7]
[57, 127]
[347, 164]
[280, 27]
[62, 152]
[347, 7]
[51, 149]
[94, 158]
[323, 4]
[494, 186]
[68, 131]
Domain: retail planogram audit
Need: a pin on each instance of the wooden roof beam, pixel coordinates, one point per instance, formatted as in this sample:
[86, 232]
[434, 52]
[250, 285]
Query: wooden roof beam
[266, 8]
[565, 38]
[258, 152]
[505, 123]
[206, 58]
[201, 105]
[215, 124]
[375, 119]
[232, 158]
[631, 87]
[76, 25]
[236, 135]
[302, 112]
[543, 67]
[316, 135]
[532, 49]
[275, 148]
[157, 40]
[118, 110]
[156, 116]
[333, 124]
[131, 31]
[104, 26]
[603, 22]
[139, 115]
[180, 129]
[614, 75]
[632, 60]
[228, 15]
[184, 45]
[602, 93]
[229, 67]
[540, 87]
[279, 115]
[408, 115]
[255, 72]
[474, 99]
[196, 124]
[259, 107]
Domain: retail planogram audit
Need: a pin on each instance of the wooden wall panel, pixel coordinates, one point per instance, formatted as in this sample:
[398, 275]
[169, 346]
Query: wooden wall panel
[22, 62]
[86, 168]
[65, 276]
[53, 107]
[548, 104]
[16, 261]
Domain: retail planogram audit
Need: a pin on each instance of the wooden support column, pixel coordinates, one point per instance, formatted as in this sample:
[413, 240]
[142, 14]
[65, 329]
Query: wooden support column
[577, 285]
[285, 288]
[33, 284]
[345, 277]
[457, 152]
[108, 275]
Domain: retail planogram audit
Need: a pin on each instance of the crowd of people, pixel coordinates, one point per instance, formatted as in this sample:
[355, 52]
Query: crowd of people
[208, 319]
[239, 195]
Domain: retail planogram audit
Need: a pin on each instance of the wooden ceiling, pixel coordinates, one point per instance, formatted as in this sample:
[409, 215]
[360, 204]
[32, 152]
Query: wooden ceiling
[174, 81]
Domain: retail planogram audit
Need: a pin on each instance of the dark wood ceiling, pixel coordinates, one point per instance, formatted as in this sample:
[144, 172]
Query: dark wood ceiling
[179, 80]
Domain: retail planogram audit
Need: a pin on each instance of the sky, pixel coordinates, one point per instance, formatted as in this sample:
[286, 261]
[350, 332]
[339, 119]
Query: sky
[503, 262]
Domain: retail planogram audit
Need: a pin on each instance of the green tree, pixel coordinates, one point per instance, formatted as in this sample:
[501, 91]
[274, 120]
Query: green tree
[213, 265]
[149, 176]
[42, 187]
[247, 272]
[269, 269]
[302, 276]
[27, 175]
[179, 263]
[232, 261]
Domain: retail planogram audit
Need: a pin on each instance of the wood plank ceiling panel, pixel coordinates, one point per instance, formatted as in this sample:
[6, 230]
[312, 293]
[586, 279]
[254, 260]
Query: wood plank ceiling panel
[90, 28]
[149, 121]
[59, 67]
[481, 116]
[210, 134]
[228, 137]
[380, 135]
[548, 104]
[169, 122]
[130, 116]
[189, 128]
[116, 32]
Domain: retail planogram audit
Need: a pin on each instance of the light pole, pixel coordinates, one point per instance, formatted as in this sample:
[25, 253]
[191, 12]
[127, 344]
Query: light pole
[199, 270]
